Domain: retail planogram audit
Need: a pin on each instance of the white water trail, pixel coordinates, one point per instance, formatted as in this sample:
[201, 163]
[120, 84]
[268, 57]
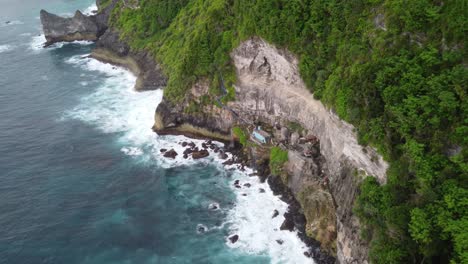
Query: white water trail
[114, 107]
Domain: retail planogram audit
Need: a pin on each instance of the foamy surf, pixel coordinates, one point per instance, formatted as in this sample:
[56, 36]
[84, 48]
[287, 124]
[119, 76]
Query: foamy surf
[259, 233]
[5, 48]
[11, 23]
[37, 43]
[114, 107]
[91, 10]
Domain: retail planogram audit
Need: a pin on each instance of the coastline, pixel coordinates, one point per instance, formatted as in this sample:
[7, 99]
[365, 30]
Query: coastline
[294, 215]
[111, 49]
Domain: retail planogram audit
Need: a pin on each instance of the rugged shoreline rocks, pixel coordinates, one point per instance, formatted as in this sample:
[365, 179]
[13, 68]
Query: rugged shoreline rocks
[78, 27]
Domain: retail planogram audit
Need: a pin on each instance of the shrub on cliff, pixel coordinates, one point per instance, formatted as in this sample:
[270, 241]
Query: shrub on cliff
[278, 157]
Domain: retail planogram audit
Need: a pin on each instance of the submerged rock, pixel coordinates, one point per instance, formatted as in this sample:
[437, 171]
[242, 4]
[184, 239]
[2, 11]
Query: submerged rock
[170, 154]
[188, 151]
[288, 224]
[234, 238]
[275, 213]
[222, 155]
[200, 154]
[201, 229]
[213, 206]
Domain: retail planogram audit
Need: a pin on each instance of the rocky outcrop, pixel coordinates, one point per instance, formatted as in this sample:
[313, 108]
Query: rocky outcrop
[110, 48]
[207, 121]
[270, 90]
[78, 27]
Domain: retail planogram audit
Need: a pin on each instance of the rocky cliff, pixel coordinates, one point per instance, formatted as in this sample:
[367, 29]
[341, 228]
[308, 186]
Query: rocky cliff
[270, 90]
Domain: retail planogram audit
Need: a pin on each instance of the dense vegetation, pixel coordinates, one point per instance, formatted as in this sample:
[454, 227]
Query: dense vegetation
[241, 134]
[396, 69]
[277, 159]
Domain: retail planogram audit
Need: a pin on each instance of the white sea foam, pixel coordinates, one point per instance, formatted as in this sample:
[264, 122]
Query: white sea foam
[251, 219]
[5, 48]
[91, 9]
[114, 107]
[37, 43]
[11, 23]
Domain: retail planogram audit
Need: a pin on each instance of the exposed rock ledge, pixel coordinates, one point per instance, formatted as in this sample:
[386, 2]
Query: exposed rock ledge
[270, 89]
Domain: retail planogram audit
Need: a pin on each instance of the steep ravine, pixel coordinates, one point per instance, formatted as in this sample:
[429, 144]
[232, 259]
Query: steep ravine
[270, 90]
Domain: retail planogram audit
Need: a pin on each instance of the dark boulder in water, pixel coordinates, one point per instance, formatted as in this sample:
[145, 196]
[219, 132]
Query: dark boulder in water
[171, 154]
[222, 155]
[188, 151]
[162, 150]
[275, 213]
[201, 229]
[279, 241]
[213, 206]
[200, 154]
[234, 238]
[288, 224]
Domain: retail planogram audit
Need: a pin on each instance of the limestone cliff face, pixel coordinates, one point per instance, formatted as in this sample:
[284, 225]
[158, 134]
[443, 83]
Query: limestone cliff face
[270, 89]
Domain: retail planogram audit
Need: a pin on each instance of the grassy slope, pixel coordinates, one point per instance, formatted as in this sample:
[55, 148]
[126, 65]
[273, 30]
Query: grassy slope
[402, 83]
